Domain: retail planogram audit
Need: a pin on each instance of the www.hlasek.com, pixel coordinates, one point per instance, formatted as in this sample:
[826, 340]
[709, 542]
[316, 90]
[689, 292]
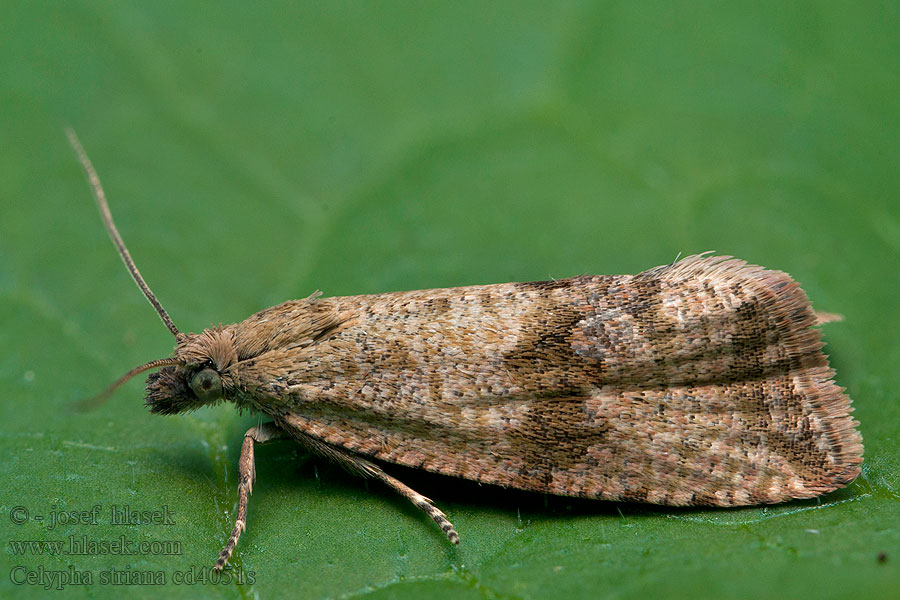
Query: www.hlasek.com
[84, 546]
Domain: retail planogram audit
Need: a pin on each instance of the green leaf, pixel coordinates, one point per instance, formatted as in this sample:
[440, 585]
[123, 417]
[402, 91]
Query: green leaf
[256, 152]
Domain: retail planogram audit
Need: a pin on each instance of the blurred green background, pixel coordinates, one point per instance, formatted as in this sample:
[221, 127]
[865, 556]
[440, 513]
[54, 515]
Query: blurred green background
[256, 152]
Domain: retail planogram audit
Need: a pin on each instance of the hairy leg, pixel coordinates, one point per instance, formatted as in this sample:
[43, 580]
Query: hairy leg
[247, 475]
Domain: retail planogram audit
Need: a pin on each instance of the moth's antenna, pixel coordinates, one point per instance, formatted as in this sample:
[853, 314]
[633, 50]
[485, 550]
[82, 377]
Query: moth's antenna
[116, 238]
[99, 399]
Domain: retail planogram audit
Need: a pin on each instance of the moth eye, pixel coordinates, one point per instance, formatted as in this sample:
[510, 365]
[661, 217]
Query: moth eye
[207, 385]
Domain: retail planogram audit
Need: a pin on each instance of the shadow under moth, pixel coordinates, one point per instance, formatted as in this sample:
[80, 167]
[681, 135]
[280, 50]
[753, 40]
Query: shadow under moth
[697, 383]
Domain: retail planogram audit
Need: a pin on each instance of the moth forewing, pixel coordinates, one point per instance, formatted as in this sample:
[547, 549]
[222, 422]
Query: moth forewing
[700, 382]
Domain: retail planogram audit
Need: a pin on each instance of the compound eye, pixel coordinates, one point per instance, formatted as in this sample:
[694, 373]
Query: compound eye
[207, 385]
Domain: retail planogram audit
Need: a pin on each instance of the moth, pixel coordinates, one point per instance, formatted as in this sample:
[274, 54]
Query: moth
[696, 383]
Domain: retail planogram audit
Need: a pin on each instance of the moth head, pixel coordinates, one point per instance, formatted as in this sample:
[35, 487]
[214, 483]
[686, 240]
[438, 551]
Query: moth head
[173, 390]
[201, 378]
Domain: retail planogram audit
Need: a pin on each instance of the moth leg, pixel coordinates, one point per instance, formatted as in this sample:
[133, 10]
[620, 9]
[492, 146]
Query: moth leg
[247, 475]
[362, 467]
[420, 501]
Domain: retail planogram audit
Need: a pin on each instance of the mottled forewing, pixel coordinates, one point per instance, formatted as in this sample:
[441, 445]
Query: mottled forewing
[700, 382]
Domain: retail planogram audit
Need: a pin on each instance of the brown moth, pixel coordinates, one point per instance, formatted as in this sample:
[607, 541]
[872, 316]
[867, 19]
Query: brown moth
[698, 383]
